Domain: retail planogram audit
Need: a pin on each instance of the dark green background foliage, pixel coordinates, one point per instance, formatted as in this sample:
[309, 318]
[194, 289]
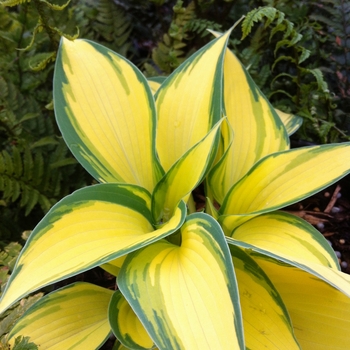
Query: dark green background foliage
[297, 52]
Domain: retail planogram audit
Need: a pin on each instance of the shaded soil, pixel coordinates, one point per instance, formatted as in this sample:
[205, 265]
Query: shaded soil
[329, 212]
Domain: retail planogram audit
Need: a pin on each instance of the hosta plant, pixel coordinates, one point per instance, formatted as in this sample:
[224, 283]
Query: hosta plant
[241, 275]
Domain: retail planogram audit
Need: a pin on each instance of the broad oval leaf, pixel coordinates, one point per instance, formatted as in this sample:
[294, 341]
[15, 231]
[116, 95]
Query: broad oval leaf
[319, 312]
[283, 178]
[106, 113]
[266, 321]
[86, 229]
[125, 324]
[183, 176]
[189, 102]
[289, 236]
[258, 131]
[186, 296]
[69, 318]
[331, 276]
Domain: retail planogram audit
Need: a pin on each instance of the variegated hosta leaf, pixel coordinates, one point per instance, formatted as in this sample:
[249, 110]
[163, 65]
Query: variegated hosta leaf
[258, 131]
[265, 318]
[288, 236]
[73, 317]
[88, 228]
[113, 266]
[155, 83]
[283, 178]
[186, 296]
[125, 324]
[189, 102]
[183, 176]
[106, 113]
[319, 312]
[218, 183]
[291, 122]
[333, 277]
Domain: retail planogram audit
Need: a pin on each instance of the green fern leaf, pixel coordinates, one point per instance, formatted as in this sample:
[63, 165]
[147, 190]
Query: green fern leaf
[257, 15]
[16, 190]
[55, 6]
[8, 188]
[17, 162]
[322, 85]
[38, 169]
[27, 165]
[12, 2]
[32, 201]
[305, 54]
[9, 168]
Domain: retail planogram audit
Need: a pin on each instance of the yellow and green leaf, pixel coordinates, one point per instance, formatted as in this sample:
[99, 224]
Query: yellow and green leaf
[320, 311]
[291, 122]
[106, 113]
[189, 102]
[113, 266]
[289, 236]
[333, 277]
[266, 321]
[258, 131]
[126, 326]
[184, 176]
[283, 178]
[186, 296]
[155, 83]
[91, 227]
[70, 318]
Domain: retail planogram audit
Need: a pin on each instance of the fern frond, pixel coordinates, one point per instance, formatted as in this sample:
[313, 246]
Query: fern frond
[201, 26]
[21, 176]
[55, 6]
[257, 15]
[169, 54]
[113, 24]
[12, 2]
[322, 84]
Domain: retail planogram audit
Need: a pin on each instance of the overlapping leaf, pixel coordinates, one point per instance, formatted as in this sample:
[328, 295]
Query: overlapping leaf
[189, 102]
[186, 296]
[126, 326]
[105, 110]
[258, 131]
[283, 178]
[183, 176]
[320, 312]
[266, 321]
[88, 228]
[69, 318]
[291, 122]
[288, 236]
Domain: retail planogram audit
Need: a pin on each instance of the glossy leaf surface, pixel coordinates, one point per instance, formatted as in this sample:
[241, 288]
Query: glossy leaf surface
[105, 110]
[291, 122]
[284, 178]
[73, 317]
[289, 236]
[189, 102]
[266, 321]
[320, 313]
[88, 228]
[186, 296]
[126, 326]
[183, 176]
[258, 131]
